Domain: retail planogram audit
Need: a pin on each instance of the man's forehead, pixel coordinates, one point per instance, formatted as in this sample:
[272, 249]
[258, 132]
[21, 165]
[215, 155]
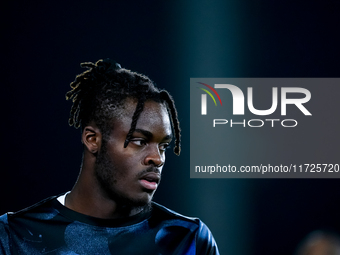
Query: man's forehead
[149, 108]
[153, 113]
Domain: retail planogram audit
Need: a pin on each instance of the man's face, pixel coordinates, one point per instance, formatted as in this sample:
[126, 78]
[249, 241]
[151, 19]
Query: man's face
[130, 175]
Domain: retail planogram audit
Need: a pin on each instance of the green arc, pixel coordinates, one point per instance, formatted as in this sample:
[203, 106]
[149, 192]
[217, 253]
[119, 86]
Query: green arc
[209, 95]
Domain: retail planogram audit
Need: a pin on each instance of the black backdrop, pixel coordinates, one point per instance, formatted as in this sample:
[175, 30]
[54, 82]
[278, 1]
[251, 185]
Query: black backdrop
[43, 42]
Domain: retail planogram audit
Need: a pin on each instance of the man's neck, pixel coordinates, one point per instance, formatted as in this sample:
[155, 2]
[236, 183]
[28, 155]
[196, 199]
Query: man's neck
[94, 203]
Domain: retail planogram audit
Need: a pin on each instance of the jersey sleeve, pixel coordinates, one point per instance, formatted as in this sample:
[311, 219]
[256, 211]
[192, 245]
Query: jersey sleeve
[205, 242]
[4, 235]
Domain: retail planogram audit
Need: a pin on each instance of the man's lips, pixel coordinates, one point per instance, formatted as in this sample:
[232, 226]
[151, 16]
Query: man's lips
[150, 180]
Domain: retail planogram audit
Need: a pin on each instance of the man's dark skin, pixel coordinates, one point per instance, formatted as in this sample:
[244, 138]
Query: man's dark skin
[131, 173]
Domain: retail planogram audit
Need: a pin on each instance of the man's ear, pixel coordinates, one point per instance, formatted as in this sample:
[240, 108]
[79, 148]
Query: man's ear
[92, 138]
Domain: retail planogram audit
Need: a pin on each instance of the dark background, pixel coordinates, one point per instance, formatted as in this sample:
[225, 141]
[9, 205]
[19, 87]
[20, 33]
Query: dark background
[43, 42]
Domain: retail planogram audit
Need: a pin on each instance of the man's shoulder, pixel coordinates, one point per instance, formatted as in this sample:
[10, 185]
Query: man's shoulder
[4, 237]
[3, 223]
[168, 213]
[3, 220]
[204, 240]
[43, 206]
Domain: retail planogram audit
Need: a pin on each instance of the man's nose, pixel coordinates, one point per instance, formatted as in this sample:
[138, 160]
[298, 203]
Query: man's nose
[154, 157]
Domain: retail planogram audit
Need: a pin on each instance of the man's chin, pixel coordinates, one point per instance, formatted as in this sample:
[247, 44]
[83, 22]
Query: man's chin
[132, 207]
[140, 203]
[134, 204]
[142, 208]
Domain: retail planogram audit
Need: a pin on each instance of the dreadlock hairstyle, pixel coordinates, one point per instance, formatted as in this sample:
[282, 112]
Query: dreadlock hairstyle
[98, 94]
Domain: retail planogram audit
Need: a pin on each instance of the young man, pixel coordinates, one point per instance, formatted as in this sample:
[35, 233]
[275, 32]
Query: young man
[126, 128]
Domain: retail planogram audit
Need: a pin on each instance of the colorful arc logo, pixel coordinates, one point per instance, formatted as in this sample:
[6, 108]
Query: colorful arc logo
[204, 98]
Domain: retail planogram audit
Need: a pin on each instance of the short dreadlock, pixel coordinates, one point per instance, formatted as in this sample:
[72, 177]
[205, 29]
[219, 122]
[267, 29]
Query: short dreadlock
[98, 94]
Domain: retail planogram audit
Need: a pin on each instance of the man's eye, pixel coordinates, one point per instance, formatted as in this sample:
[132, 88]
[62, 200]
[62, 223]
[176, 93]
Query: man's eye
[138, 142]
[164, 146]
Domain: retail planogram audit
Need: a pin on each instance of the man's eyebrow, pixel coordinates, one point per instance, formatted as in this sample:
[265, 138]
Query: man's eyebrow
[168, 137]
[149, 135]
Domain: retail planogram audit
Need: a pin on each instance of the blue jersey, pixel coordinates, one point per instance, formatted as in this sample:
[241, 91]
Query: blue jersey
[50, 228]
